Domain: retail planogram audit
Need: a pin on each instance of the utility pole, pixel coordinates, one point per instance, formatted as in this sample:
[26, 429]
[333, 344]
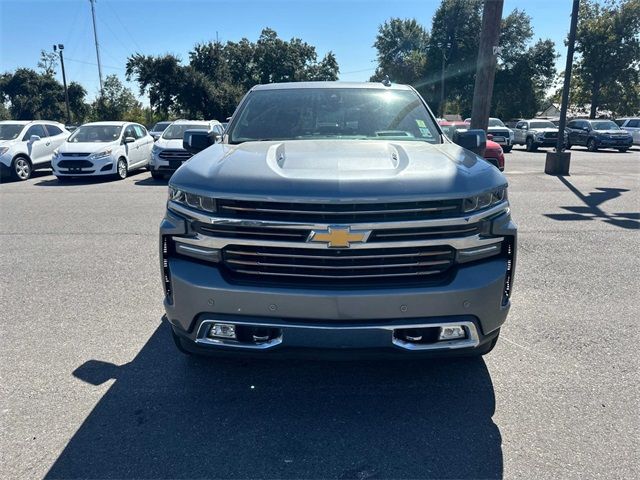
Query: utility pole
[443, 46]
[486, 66]
[60, 47]
[95, 36]
[557, 163]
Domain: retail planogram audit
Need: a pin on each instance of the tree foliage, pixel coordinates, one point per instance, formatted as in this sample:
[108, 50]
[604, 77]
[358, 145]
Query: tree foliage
[115, 102]
[217, 75]
[48, 62]
[608, 48]
[410, 54]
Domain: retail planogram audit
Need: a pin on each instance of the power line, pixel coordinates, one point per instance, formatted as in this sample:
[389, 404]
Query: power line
[94, 64]
[115, 13]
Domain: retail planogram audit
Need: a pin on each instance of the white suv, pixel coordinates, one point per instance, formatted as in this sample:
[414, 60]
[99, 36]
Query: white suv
[28, 145]
[631, 125]
[168, 154]
[103, 148]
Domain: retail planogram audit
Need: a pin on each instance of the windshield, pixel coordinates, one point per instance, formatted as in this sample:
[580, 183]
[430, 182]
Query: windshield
[545, 124]
[315, 113]
[605, 125]
[96, 134]
[160, 126]
[176, 131]
[495, 122]
[10, 131]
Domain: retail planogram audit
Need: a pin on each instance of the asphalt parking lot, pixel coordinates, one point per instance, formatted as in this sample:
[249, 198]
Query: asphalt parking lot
[92, 386]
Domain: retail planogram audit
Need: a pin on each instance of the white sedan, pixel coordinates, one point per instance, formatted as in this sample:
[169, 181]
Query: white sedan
[103, 148]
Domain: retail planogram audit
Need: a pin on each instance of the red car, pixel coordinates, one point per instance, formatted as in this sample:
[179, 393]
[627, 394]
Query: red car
[492, 154]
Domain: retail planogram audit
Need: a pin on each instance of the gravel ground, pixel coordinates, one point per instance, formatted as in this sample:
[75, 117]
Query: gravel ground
[92, 386]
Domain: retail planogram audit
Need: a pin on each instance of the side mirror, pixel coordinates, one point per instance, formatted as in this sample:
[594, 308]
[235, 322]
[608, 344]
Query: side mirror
[129, 140]
[525, 127]
[472, 140]
[195, 141]
[34, 138]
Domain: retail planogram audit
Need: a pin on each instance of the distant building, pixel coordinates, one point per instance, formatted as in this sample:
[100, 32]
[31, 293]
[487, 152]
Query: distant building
[552, 111]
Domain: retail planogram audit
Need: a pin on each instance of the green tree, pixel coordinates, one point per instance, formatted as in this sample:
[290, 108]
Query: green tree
[115, 102]
[48, 62]
[608, 48]
[402, 51]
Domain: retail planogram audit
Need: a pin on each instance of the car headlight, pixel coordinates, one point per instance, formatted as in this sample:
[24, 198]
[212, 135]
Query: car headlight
[3, 150]
[484, 200]
[192, 200]
[102, 154]
[156, 150]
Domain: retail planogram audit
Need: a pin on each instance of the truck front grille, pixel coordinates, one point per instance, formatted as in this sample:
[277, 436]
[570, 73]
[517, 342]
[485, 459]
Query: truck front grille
[550, 134]
[338, 213]
[337, 266]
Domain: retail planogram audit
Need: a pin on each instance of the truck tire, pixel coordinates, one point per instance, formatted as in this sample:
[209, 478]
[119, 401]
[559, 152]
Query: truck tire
[591, 145]
[531, 147]
[157, 175]
[21, 168]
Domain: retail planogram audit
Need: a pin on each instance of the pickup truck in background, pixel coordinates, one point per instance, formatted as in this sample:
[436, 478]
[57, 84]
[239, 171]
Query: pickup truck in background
[534, 134]
[336, 217]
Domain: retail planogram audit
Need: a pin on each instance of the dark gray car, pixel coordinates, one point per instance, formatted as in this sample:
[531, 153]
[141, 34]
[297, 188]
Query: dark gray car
[336, 217]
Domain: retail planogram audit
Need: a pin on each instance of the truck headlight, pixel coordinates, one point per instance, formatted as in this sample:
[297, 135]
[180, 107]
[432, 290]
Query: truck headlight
[192, 200]
[97, 155]
[156, 150]
[484, 200]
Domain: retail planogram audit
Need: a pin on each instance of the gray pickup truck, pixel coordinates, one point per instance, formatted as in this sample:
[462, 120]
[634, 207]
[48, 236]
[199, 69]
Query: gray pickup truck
[336, 218]
[535, 133]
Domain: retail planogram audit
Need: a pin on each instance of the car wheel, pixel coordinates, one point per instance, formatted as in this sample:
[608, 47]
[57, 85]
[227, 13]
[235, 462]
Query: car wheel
[121, 170]
[157, 175]
[591, 145]
[21, 168]
[507, 149]
[530, 145]
[622, 150]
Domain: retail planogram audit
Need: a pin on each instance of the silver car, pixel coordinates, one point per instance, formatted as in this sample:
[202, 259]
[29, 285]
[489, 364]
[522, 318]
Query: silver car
[631, 125]
[336, 217]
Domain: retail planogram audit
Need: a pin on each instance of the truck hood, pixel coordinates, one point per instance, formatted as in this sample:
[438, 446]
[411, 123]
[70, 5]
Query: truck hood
[337, 170]
[86, 147]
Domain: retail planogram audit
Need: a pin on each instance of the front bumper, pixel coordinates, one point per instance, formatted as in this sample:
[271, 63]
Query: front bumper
[545, 142]
[100, 166]
[614, 142]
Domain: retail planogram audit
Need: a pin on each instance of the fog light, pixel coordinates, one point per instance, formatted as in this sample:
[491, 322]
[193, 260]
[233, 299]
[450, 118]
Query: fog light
[452, 333]
[222, 330]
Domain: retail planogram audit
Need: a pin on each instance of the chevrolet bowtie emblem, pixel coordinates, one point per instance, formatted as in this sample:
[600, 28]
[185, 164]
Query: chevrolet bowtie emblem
[339, 237]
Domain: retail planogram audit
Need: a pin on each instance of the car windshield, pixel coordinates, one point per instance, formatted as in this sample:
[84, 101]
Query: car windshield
[160, 126]
[317, 113]
[495, 122]
[605, 125]
[10, 131]
[176, 130]
[545, 124]
[96, 134]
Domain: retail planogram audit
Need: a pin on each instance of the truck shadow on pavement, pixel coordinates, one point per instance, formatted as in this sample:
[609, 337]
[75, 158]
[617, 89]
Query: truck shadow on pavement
[171, 416]
[592, 208]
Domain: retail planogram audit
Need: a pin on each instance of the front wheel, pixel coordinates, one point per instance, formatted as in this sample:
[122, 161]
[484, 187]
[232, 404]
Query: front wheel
[121, 170]
[21, 169]
[530, 145]
[157, 175]
[591, 145]
[622, 150]
[507, 149]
